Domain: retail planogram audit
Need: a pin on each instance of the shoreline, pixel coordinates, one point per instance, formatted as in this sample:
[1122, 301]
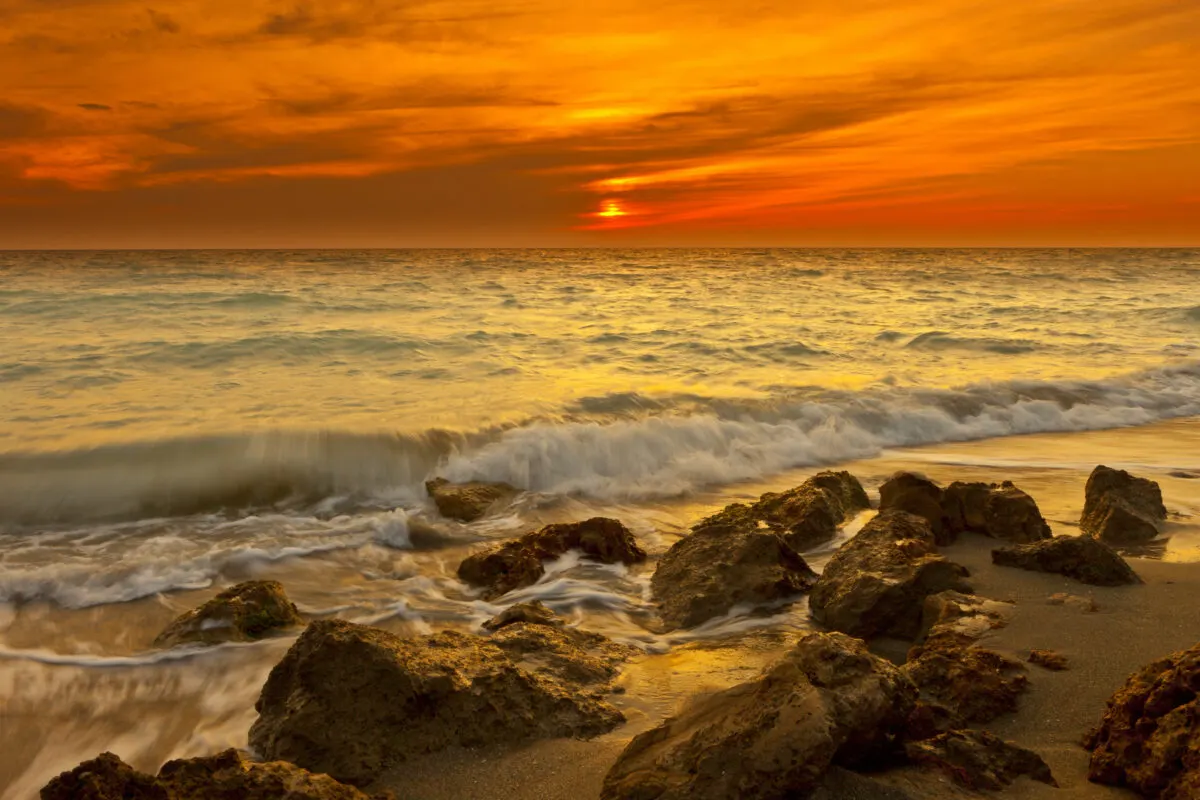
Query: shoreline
[1056, 711]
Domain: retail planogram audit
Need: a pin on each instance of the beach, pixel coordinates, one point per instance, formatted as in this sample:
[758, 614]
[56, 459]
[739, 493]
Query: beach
[232, 425]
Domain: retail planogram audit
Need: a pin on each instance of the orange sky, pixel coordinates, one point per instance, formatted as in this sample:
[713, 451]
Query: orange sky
[538, 122]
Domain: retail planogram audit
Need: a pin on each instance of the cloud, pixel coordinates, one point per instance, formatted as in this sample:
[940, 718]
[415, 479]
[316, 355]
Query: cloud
[161, 22]
[19, 122]
[94, 107]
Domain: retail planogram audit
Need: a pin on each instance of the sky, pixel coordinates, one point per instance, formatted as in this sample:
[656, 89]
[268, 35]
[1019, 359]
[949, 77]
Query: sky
[445, 123]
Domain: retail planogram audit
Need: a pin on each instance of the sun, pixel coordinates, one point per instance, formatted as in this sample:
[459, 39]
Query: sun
[610, 209]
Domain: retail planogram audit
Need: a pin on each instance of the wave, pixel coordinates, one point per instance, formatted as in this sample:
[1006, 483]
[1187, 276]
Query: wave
[940, 340]
[635, 450]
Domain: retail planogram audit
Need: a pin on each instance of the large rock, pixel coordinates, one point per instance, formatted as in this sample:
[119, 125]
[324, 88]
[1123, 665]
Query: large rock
[711, 570]
[805, 516]
[241, 613]
[349, 700]
[962, 683]
[513, 565]
[226, 775]
[917, 495]
[827, 701]
[876, 584]
[533, 613]
[1080, 557]
[105, 777]
[1001, 511]
[467, 502]
[1121, 508]
[1149, 738]
[979, 760]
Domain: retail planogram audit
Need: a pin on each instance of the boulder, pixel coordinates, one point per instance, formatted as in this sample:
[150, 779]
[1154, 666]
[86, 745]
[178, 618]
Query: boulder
[1122, 509]
[876, 584]
[467, 502]
[349, 700]
[917, 495]
[105, 777]
[1083, 558]
[226, 775]
[1048, 659]
[1001, 511]
[827, 701]
[241, 613]
[972, 684]
[513, 565]
[1149, 738]
[711, 570]
[978, 760]
[805, 517]
[532, 613]
[960, 682]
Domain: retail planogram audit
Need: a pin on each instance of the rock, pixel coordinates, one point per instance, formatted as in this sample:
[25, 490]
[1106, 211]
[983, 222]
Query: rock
[1087, 604]
[349, 700]
[805, 516]
[1055, 662]
[954, 619]
[973, 684]
[1080, 557]
[968, 683]
[518, 563]
[711, 570]
[565, 654]
[1149, 738]
[1001, 511]
[226, 775]
[876, 583]
[467, 502]
[229, 774]
[533, 613]
[917, 495]
[105, 777]
[1121, 508]
[979, 760]
[241, 613]
[827, 701]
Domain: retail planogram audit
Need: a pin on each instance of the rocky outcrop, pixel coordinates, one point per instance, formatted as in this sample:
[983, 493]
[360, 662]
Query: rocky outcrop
[1122, 509]
[876, 584]
[532, 613]
[711, 570]
[512, 565]
[960, 682]
[1001, 511]
[226, 775]
[1149, 738]
[242, 613]
[978, 760]
[804, 517]
[349, 700]
[827, 701]
[1080, 557]
[917, 495]
[105, 777]
[467, 502]
[1048, 659]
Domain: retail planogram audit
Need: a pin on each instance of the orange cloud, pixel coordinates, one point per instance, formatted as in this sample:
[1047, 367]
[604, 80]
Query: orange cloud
[697, 121]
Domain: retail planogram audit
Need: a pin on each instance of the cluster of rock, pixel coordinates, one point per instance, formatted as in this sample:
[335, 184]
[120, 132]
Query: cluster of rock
[225, 775]
[349, 701]
[501, 569]
[749, 555]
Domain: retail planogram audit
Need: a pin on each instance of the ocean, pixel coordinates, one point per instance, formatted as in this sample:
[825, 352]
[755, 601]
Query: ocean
[172, 422]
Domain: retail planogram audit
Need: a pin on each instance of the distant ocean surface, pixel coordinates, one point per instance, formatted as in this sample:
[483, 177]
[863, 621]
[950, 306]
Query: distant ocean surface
[137, 387]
